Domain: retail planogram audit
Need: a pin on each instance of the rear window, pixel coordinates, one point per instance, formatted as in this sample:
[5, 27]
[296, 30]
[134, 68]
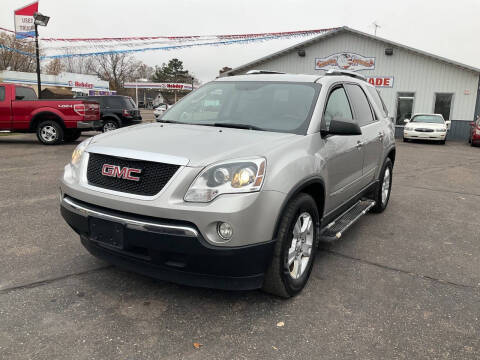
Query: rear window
[130, 103]
[2, 93]
[24, 93]
[377, 99]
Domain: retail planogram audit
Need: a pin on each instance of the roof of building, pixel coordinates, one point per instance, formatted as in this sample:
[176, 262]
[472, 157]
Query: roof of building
[342, 30]
[274, 77]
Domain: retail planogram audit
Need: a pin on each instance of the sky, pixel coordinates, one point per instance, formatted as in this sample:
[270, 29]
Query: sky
[446, 28]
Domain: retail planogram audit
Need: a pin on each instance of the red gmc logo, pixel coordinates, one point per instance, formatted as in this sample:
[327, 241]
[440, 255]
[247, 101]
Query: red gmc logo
[121, 172]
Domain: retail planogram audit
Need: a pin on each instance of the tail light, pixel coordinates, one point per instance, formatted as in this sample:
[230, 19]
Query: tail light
[126, 113]
[79, 109]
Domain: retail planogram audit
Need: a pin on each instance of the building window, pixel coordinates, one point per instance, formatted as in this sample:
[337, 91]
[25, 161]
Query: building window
[443, 105]
[404, 107]
[2, 93]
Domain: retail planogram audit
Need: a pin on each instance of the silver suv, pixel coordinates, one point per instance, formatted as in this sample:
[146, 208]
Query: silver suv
[237, 183]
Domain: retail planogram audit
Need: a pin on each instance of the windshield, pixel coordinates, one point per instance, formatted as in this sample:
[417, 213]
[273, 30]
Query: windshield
[271, 106]
[431, 119]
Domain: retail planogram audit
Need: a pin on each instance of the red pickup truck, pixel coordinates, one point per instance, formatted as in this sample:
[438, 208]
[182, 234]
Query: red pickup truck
[54, 121]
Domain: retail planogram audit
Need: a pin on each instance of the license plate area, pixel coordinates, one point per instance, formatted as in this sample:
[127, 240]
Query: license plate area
[106, 232]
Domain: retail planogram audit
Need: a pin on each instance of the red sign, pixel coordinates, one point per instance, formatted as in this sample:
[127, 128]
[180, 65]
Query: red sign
[381, 81]
[80, 84]
[23, 18]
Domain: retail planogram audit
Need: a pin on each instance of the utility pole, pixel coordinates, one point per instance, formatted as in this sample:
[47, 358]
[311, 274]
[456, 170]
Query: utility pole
[37, 53]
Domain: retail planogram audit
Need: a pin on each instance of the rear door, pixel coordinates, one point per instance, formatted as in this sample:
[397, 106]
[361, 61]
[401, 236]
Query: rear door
[372, 136]
[344, 156]
[5, 110]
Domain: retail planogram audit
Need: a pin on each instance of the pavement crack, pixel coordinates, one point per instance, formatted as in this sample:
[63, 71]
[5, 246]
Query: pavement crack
[391, 268]
[438, 190]
[51, 280]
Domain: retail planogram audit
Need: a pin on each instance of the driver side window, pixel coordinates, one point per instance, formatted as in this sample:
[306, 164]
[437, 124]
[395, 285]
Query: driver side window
[338, 107]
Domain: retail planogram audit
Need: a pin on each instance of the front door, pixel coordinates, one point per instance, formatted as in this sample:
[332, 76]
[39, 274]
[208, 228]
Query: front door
[5, 111]
[344, 154]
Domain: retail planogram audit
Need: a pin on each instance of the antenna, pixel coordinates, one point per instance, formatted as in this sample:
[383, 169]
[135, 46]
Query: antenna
[376, 26]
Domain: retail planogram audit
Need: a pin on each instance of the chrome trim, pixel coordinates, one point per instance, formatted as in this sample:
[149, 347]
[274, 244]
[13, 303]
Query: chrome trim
[84, 182]
[137, 155]
[135, 224]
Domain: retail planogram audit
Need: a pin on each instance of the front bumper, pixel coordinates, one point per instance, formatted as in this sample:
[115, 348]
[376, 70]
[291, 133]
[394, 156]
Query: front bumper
[91, 124]
[169, 250]
[424, 135]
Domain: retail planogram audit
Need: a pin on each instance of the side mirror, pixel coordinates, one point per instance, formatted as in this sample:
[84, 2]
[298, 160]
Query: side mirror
[406, 121]
[448, 123]
[344, 127]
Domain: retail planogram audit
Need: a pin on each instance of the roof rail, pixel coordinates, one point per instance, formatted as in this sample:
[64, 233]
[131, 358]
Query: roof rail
[255, 72]
[346, 73]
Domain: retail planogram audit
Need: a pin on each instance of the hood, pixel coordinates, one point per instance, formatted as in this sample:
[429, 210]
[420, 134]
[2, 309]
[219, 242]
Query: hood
[197, 145]
[426, 125]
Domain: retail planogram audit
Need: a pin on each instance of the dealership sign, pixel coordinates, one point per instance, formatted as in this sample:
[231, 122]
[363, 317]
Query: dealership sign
[345, 61]
[23, 18]
[381, 81]
[161, 86]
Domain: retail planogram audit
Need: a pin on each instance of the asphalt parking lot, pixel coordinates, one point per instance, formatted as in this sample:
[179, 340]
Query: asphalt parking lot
[404, 284]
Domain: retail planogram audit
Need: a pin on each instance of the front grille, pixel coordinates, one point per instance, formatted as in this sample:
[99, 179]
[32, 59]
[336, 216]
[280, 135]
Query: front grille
[423, 130]
[153, 177]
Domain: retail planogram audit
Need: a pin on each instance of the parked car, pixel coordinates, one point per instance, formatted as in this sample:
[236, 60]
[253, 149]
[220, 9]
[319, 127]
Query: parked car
[117, 111]
[159, 110]
[426, 127]
[237, 198]
[52, 120]
[474, 138]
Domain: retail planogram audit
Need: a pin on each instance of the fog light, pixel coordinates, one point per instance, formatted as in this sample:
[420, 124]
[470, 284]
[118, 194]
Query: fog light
[225, 230]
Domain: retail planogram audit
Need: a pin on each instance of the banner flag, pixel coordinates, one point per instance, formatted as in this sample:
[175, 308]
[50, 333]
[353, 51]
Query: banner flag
[23, 17]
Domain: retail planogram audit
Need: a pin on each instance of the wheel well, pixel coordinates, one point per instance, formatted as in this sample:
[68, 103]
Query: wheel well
[314, 188]
[46, 116]
[106, 118]
[391, 155]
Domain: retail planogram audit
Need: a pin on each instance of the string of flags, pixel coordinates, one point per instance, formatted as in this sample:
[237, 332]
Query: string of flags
[57, 48]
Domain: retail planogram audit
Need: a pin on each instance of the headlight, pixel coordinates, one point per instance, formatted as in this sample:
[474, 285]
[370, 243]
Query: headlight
[239, 176]
[78, 152]
[441, 130]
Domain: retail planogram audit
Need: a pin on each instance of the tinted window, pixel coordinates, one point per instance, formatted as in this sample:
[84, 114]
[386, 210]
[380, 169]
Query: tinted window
[130, 103]
[99, 99]
[377, 99]
[24, 93]
[363, 112]
[2, 93]
[338, 107]
[115, 102]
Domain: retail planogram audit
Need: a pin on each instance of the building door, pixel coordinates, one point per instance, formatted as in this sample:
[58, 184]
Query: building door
[443, 105]
[404, 107]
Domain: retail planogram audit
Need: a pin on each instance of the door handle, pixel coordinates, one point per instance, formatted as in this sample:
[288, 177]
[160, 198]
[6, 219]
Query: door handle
[359, 145]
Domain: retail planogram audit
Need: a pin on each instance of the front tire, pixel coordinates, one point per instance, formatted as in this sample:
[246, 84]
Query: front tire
[50, 132]
[382, 194]
[295, 249]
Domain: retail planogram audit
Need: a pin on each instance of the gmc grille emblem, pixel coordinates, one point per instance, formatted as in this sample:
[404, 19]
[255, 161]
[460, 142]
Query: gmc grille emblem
[121, 172]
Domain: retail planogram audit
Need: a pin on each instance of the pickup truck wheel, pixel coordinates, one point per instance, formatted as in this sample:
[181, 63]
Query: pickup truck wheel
[50, 132]
[72, 135]
[109, 125]
[382, 194]
[295, 249]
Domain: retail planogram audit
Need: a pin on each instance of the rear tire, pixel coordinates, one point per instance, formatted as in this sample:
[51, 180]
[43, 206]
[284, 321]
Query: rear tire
[72, 135]
[405, 140]
[110, 125]
[442, 142]
[295, 249]
[50, 132]
[382, 194]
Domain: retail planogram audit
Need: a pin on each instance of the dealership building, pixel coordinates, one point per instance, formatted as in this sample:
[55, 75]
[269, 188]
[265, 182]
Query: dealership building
[76, 84]
[410, 80]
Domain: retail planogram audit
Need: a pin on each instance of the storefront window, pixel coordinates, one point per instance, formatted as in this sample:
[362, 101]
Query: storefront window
[404, 107]
[443, 105]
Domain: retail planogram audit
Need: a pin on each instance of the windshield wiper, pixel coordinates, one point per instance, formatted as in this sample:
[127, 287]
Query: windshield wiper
[172, 122]
[238, 126]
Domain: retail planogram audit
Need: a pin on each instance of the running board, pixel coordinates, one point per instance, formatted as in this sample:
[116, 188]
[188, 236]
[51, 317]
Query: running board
[336, 228]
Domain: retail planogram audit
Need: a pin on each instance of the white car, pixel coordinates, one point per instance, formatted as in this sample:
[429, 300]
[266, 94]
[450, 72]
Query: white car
[426, 127]
[159, 110]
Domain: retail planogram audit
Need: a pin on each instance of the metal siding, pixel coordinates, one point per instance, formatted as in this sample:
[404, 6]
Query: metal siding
[412, 72]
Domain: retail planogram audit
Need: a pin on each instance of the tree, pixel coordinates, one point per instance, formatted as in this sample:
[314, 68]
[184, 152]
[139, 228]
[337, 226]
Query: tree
[15, 61]
[116, 69]
[54, 67]
[171, 72]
